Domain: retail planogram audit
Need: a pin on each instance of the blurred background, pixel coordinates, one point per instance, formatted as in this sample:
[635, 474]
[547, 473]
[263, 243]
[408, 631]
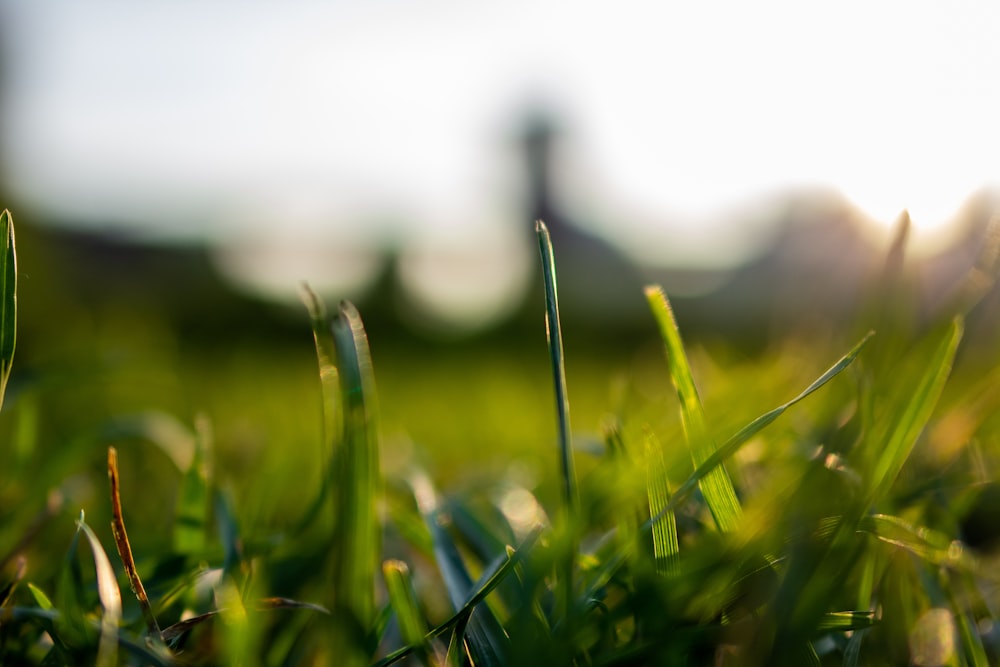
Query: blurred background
[177, 169]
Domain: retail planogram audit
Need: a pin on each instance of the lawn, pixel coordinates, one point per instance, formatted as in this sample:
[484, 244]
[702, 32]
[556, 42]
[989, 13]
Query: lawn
[345, 499]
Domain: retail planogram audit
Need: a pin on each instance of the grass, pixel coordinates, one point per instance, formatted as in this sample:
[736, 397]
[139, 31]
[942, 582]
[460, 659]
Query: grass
[762, 511]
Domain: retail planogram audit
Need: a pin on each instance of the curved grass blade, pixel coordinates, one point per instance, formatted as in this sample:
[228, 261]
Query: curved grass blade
[110, 596]
[715, 484]
[915, 414]
[326, 355]
[929, 545]
[354, 478]
[8, 299]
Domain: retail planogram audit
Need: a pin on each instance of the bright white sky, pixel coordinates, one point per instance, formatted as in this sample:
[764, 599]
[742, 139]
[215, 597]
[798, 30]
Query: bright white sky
[392, 117]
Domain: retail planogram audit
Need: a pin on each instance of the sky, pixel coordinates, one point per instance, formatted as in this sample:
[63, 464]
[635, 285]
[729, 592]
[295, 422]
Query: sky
[337, 126]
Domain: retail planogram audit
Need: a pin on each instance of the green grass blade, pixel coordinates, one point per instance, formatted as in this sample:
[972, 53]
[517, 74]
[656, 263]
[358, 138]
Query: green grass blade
[553, 332]
[915, 414]
[110, 596]
[733, 444]
[8, 299]
[666, 548]
[355, 473]
[402, 597]
[491, 579]
[487, 640]
[716, 485]
[326, 355]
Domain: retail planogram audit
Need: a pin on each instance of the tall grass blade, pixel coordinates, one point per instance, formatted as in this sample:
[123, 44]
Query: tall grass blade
[553, 332]
[355, 473]
[915, 414]
[716, 485]
[110, 596]
[8, 299]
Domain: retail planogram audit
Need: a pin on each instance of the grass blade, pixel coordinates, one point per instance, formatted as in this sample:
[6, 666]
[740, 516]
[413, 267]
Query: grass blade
[403, 599]
[846, 620]
[487, 640]
[125, 549]
[8, 299]
[355, 472]
[491, 580]
[553, 333]
[915, 414]
[665, 545]
[110, 596]
[715, 484]
[732, 445]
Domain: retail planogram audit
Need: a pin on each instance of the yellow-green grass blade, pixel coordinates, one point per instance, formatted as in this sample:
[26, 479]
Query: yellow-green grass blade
[355, 476]
[716, 485]
[492, 578]
[110, 596]
[403, 599]
[8, 299]
[846, 620]
[666, 548]
[914, 415]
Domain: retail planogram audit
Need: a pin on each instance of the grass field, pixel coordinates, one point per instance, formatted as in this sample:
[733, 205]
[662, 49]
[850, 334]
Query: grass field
[832, 500]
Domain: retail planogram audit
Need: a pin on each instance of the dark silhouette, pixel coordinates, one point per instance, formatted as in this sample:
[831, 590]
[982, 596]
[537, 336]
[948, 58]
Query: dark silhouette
[598, 286]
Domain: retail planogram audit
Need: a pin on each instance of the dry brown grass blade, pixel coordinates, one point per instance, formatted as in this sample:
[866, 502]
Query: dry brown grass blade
[125, 550]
